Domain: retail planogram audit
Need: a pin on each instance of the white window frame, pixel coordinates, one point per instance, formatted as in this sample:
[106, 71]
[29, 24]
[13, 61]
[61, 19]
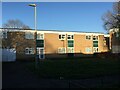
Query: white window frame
[28, 35]
[29, 50]
[95, 49]
[60, 50]
[70, 37]
[40, 36]
[96, 38]
[63, 36]
[88, 37]
[70, 49]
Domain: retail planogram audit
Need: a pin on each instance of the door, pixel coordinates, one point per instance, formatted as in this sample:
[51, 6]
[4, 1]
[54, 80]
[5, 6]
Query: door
[40, 52]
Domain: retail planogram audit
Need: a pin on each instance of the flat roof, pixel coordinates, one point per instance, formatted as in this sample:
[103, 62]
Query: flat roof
[16, 29]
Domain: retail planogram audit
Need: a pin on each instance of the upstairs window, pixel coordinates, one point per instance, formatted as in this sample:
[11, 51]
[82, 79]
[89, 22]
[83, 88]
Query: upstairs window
[29, 35]
[88, 37]
[95, 37]
[70, 37]
[40, 36]
[4, 34]
[62, 37]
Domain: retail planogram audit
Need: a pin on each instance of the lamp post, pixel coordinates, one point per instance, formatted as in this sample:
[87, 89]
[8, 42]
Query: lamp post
[36, 61]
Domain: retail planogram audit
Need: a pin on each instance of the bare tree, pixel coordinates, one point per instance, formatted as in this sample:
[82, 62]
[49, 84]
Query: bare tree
[111, 19]
[15, 24]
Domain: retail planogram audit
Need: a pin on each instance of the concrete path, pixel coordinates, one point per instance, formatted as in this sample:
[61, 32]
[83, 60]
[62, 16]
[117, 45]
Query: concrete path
[16, 76]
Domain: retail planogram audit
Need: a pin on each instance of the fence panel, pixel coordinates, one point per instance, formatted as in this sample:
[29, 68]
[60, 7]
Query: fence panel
[8, 54]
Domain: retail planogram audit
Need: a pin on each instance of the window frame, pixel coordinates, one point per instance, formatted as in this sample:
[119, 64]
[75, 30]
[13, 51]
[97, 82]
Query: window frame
[70, 49]
[28, 35]
[70, 37]
[88, 37]
[70, 43]
[40, 37]
[94, 44]
[40, 43]
[96, 39]
[95, 50]
[62, 36]
[61, 52]
[29, 50]
[4, 34]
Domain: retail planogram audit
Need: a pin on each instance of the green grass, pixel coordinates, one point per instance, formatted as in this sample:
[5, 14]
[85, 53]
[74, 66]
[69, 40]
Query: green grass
[75, 68]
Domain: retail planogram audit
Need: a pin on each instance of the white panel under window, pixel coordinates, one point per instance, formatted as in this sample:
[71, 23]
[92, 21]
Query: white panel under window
[70, 50]
[40, 36]
[61, 50]
[29, 35]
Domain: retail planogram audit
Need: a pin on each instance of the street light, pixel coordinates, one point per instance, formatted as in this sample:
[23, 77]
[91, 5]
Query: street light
[36, 61]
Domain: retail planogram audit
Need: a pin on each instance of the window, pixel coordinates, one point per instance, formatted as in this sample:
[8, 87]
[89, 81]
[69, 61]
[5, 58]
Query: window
[61, 50]
[62, 36]
[88, 37]
[29, 35]
[88, 50]
[70, 43]
[70, 37]
[40, 36]
[95, 49]
[95, 43]
[95, 37]
[70, 50]
[29, 51]
[40, 43]
[40, 51]
[4, 34]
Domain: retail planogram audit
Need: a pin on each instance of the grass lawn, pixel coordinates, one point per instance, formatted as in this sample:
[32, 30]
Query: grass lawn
[76, 68]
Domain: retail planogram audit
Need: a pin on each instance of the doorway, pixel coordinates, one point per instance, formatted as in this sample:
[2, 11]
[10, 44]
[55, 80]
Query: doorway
[40, 53]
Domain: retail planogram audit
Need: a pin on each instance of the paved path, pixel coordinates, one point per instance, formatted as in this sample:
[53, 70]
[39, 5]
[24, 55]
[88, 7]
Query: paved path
[16, 76]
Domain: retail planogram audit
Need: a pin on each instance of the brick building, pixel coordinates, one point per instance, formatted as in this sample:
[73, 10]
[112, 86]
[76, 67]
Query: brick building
[54, 43]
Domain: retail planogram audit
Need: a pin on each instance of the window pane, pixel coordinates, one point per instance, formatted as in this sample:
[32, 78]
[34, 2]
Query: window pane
[95, 43]
[29, 35]
[40, 43]
[59, 36]
[70, 43]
